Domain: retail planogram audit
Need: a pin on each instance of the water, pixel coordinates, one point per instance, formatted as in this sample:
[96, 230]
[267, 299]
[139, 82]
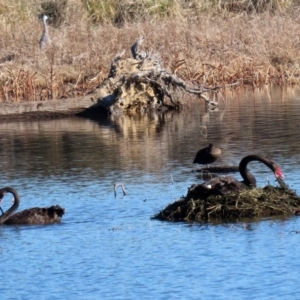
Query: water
[108, 247]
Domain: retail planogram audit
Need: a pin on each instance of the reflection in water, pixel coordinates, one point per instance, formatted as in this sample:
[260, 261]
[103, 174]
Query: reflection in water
[107, 247]
[154, 143]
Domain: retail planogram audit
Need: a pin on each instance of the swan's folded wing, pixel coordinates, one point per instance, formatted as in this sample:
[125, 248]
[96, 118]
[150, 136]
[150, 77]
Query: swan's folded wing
[222, 185]
[37, 215]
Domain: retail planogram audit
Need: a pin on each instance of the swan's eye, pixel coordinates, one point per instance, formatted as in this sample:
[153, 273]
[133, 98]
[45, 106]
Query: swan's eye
[279, 173]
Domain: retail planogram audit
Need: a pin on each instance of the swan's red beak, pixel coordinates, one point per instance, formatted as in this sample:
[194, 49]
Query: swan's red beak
[279, 174]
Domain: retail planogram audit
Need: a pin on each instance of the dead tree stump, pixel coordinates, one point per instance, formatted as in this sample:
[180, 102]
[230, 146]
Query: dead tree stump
[141, 84]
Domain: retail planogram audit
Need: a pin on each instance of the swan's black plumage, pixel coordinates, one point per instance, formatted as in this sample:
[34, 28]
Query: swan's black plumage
[36, 215]
[207, 155]
[223, 185]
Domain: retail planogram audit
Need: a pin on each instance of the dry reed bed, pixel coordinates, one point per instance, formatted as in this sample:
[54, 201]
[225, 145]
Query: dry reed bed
[254, 203]
[212, 49]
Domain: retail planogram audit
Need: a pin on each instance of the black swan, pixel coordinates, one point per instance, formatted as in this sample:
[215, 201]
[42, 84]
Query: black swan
[223, 185]
[207, 155]
[36, 215]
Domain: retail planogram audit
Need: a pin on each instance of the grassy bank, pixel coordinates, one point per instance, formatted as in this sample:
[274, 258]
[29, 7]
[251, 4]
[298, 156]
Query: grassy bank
[204, 42]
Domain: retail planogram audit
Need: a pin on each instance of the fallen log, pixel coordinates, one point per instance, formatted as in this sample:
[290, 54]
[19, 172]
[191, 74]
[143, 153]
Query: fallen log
[137, 84]
[141, 83]
[51, 108]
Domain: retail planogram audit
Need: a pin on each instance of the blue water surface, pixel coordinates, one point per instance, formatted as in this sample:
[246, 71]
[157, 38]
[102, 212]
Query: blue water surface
[107, 246]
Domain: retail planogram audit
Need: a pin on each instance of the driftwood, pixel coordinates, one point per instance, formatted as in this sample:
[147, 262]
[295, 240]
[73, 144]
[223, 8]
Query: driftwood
[50, 108]
[136, 84]
[142, 83]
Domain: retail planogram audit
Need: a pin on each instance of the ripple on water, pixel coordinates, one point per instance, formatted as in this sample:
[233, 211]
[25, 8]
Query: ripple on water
[107, 247]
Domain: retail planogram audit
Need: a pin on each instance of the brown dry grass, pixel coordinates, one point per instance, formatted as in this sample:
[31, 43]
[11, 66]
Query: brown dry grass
[200, 46]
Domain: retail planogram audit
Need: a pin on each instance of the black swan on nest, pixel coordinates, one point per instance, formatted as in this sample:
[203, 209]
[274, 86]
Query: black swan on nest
[223, 185]
[36, 215]
[207, 155]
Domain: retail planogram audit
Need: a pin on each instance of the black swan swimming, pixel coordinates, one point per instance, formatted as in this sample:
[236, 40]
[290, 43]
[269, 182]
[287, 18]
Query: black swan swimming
[36, 215]
[223, 185]
[207, 155]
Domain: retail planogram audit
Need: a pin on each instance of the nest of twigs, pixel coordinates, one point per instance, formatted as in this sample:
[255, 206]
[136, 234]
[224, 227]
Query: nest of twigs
[250, 203]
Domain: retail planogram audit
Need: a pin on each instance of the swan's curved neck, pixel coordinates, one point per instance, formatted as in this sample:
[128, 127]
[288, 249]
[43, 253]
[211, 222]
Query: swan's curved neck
[15, 205]
[249, 179]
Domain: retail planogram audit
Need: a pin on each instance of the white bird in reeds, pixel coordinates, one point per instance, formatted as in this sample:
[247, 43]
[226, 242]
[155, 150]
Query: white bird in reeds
[45, 39]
